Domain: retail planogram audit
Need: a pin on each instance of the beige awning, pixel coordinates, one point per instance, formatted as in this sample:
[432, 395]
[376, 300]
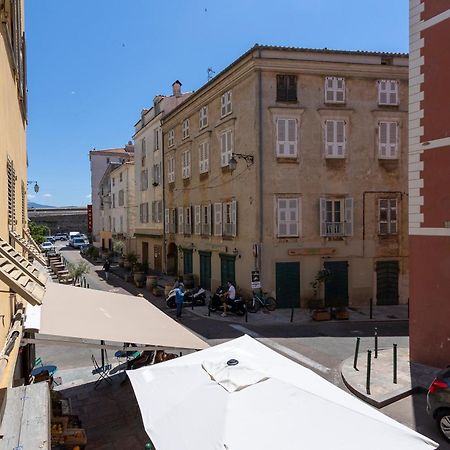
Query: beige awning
[27, 246]
[21, 276]
[80, 313]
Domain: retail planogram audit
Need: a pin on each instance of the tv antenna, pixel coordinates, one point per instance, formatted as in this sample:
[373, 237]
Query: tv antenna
[211, 73]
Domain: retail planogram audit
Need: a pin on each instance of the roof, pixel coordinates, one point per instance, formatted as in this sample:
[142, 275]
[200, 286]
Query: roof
[281, 48]
[121, 151]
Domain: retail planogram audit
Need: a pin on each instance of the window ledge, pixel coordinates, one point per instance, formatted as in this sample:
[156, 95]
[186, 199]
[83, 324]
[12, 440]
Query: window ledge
[336, 104]
[287, 160]
[326, 110]
[225, 120]
[203, 131]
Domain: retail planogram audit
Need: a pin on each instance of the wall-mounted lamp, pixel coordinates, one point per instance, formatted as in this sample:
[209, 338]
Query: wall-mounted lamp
[36, 186]
[232, 163]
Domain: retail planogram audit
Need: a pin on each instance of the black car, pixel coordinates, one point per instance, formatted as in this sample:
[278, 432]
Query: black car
[438, 401]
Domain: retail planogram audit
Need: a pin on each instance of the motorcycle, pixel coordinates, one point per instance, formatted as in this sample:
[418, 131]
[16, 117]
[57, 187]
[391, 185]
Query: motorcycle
[196, 295]
[236, 306]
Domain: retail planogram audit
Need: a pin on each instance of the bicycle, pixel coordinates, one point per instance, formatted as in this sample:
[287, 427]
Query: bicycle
[260, 300]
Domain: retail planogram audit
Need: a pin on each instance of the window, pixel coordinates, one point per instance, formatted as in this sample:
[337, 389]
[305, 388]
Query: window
[144, 150]
[157, 211]
[121, 224]
[121, 198]
[12, 222]
[114, 200]
[197, 219]
[185, 129]
[286, 88]
[336, 217]
[172, 220]
[206, 219]
[180, 220]
[166, 220]
[217, 219]
[113, 181]
[186, 166]
[171, 169]
[156, 138]
[387, 216]
[225, 104]
[143, 212]
[288, 217]
[203, 157]
[171, 138]
[334, 139]
[114, 224]
[388, 92]
[229, 218]
[156, 174]
[203, 117]
[334, 90]
[388, 140]
[187, 220]
[226, 147]
[286, 138]
[144, 179]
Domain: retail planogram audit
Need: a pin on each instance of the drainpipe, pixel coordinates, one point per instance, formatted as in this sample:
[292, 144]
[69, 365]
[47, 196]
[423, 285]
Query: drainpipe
[261, 171]
[164, 255]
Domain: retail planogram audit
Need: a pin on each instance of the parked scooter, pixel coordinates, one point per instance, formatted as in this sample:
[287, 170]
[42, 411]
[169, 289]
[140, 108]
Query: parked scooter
[196, 295]
[236, 306]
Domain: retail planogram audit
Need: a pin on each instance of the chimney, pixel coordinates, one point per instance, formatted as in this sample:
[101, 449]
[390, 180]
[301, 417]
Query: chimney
[129, 147]
[176, 88]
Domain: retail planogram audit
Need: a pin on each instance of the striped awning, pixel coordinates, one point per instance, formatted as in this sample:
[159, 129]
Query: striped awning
[20, 275]
[29, 247]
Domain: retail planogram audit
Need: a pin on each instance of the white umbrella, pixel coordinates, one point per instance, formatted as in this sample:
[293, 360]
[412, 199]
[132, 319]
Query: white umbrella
[241, 395]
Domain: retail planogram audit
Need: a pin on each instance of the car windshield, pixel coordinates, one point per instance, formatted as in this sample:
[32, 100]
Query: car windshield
[78, 240]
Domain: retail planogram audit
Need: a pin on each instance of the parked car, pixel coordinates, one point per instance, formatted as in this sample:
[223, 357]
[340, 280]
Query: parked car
[50, 239]
[438, 402]
[47, 246]
[61, 237]
[78, 242]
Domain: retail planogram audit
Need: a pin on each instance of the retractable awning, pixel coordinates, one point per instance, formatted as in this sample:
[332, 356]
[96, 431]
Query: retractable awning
[79, 313]
[30, 248]
[20, 275]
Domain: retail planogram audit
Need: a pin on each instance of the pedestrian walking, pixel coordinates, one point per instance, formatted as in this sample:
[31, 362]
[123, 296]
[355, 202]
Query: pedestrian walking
[179, 297]
[106, 268]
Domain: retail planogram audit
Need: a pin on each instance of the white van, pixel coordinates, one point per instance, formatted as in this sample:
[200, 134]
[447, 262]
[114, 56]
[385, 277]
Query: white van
[72, 235]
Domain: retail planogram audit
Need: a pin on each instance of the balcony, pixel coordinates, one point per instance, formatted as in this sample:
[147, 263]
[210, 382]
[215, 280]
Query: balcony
[334, 228]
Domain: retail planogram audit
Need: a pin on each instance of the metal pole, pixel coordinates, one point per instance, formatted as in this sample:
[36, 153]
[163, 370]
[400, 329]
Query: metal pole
[246, 313]
[369, 363]
[88, 285]
[376, 343]
[292, 313]
[355, 360]
[371, 308]
[103, 353]
[395, 362]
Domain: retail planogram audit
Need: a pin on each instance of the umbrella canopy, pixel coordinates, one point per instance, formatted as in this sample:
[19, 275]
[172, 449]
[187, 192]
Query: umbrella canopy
[241, 395]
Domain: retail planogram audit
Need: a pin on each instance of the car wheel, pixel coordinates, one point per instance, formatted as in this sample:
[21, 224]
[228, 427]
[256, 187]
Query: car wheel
[443, 421]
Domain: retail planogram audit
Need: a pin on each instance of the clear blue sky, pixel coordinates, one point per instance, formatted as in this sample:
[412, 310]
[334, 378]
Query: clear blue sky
[94, 64]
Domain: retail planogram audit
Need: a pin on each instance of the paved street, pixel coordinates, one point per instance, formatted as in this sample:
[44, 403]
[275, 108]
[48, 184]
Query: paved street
[321, 346]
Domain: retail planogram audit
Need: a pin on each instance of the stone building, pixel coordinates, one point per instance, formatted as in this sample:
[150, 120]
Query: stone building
[291, 161]
[429, 175]
[149, 179]
[61, 220]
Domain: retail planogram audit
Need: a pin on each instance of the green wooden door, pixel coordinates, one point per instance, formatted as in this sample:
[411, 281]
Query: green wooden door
[336, 285]
[205, 270]
[187, 260]
[227, 269]
[387, 282]
[287, 279]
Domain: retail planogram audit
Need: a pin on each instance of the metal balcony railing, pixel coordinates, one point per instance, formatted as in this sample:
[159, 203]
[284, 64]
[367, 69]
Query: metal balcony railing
[334, 228]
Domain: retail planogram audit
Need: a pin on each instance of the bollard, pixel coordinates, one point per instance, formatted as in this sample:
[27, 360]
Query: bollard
[371, 308]
[209, 309]
[192, 303]
[88, 285]
[246, 314]
[369, 363]
[355, 360]
[395, 362]
[376, 343]
[292, 314]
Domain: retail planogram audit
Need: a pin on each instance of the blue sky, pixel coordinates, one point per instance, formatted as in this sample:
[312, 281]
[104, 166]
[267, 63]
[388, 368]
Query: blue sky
[94, 64]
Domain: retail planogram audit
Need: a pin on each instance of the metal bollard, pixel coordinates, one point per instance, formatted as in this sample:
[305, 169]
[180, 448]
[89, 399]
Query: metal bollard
[371, 308]
[88, 285]
[355, 360]
[192, 303]
[395, 362]
[246, 314]
[369, 367]
[292, 314]
[376, 343]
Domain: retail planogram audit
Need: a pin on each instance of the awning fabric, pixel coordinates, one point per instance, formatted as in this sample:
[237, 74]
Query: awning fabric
[21, 276]
[27, 246]
[75, 312]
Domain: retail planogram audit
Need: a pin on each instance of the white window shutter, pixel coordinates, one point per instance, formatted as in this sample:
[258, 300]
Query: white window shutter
[293, 217]
[348, 224]
[323, 216]
[208, 214]
[180, 220]
[223, 105]
[340, 90]
[197, 219]
[281, 137]
[382, 92]
[217, 219]
[206, 157]
[393, 216]
[340, 137]
[329, 97]
[223, 150]
[233, 218]
[188, 164]
[282, 216]
[292, 137]
[329, 137]
[393, 140]
[393, 92]
[383, 139]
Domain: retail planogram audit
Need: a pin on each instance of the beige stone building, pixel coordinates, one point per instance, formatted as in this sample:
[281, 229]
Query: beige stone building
[318, 176]
[149, 178]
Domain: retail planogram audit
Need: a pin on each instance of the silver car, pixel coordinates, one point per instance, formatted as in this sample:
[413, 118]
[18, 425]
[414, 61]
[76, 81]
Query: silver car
[438, 402]
[47, 246]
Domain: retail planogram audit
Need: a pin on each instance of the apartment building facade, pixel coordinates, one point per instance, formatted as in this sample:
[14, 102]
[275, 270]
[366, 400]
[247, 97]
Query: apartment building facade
[429, 174]
[149, 233]
[288, 162]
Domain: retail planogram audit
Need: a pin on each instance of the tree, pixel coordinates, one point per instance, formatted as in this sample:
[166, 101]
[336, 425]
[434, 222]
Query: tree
[38, 232]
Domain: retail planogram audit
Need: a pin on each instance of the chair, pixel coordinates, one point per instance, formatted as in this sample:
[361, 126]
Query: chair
[101, 371]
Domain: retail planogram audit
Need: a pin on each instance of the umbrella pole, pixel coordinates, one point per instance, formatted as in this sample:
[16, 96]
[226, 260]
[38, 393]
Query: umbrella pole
[103, 353]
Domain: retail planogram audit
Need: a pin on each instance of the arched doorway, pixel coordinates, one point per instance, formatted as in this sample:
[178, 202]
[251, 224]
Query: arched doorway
[172, 259]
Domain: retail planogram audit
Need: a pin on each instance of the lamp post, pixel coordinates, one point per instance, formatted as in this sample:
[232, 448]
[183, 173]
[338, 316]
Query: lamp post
[36, 186]
[232, 163]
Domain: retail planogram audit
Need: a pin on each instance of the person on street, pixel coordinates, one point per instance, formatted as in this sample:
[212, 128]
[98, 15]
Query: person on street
[179, 283]
[230, 295]
[179, 294]
[106, 268]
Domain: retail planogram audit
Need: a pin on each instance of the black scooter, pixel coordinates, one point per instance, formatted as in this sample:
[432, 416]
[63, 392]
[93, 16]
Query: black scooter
[197, 295]
[236, 306]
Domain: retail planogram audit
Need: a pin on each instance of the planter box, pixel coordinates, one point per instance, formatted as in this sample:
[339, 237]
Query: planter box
[320, 315]
[342, 315]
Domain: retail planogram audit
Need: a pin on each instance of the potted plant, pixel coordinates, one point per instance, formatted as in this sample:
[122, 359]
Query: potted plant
[139, 275]
[130, 260]
[118, 247]
[319, 312]
[76, 271]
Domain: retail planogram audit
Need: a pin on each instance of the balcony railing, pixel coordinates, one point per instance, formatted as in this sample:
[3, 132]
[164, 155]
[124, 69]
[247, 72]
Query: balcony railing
[334, 228]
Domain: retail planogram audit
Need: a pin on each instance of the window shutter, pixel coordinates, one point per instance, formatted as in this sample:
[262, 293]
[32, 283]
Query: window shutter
[393, 139]
[180, 220]
[382, 92]
[206, 156]
[329, 92]
[229, 104]
[208, 215]
[323, 216]
[293, 217]
[281, 213]
[393, 91]
[223, 146]
[281, 137]
[292, 88]
[340, 90]
[217, 219]
[348, 224]
[233, 218]
[222, 105]
[340, 137]
[383, 139]
[197, 221]
[292, 137]
[393, 216]
[329, 137]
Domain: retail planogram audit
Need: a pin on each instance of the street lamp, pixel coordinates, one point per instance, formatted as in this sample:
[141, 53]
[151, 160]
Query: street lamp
[232, 163]
[36, 186]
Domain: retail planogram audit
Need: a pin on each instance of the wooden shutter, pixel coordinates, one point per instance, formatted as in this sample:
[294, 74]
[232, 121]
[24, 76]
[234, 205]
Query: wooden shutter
[282, 217]
[281, 137]
[180, 220]
[229, 103]
[187, 220]
[340, 137]
[292, 220]
[223, 110]
[281, 88]
[233, 218]
[388, 139]
[393, 92]
[323, 216]
[329, 92]
[348, 210]
[208, 218]
[223, 150]
[217, 219]
[292, 88]
[206, 156]
[197, 219]
[393, 140]
[383, 139]
[329, 138]
[393, 216]
[188, 164]
[292, 137]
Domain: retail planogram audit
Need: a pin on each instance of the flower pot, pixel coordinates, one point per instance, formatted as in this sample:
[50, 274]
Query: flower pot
[321, 314]
[151, 282]
[139, 279]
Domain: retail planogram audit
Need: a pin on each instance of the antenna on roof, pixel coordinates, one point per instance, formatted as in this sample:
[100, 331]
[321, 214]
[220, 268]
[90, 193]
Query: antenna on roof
[211, 73]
